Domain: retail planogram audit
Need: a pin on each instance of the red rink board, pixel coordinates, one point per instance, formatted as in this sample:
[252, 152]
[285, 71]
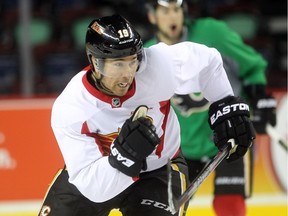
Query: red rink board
[29, 155]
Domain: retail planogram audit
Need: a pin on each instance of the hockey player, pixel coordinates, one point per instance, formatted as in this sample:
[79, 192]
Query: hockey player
[116, 158]
[246, 71]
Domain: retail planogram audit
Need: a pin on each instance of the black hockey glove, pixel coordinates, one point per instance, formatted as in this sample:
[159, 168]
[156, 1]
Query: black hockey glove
[263, 107]
[136, 140]
[229, 118]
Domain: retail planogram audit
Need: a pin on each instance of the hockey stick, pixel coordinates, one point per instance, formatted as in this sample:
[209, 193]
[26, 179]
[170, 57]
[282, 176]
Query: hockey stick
[140, 111]
[272, 132]
[176, 203]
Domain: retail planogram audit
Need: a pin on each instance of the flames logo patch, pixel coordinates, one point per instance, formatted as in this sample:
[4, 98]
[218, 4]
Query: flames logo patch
[96, 27]
[103, 141]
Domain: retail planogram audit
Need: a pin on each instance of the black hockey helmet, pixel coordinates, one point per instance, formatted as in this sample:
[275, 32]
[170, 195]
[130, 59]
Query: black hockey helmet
[112, 37]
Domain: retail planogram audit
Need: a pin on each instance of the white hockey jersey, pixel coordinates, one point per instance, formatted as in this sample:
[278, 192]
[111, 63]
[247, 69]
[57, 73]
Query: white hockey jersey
[85, 121]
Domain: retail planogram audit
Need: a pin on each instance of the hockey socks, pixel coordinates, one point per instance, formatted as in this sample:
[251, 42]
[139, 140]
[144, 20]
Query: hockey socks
[229, 205]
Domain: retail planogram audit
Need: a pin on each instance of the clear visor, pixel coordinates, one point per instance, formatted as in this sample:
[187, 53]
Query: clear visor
[120, 67]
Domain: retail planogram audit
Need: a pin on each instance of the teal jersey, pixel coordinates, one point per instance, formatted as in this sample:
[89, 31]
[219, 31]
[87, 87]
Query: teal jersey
[244, 66]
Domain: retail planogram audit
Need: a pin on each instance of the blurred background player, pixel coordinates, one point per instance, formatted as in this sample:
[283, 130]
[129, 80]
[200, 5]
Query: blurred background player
[246, 71]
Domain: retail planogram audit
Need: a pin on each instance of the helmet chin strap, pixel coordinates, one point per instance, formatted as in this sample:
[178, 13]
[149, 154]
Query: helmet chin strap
[99, 85]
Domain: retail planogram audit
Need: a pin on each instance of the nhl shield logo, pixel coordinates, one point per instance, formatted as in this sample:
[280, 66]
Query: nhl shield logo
[116, 102]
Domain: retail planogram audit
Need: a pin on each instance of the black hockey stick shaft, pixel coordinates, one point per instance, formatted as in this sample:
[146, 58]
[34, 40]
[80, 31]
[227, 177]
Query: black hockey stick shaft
[175, 204]
[272, 132]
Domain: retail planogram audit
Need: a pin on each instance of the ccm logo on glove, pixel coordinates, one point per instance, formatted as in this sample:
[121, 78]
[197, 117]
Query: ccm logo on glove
[227, 110]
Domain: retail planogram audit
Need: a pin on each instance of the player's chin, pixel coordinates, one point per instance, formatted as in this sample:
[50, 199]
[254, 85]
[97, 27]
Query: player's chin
[174, 35]
[120, 91]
